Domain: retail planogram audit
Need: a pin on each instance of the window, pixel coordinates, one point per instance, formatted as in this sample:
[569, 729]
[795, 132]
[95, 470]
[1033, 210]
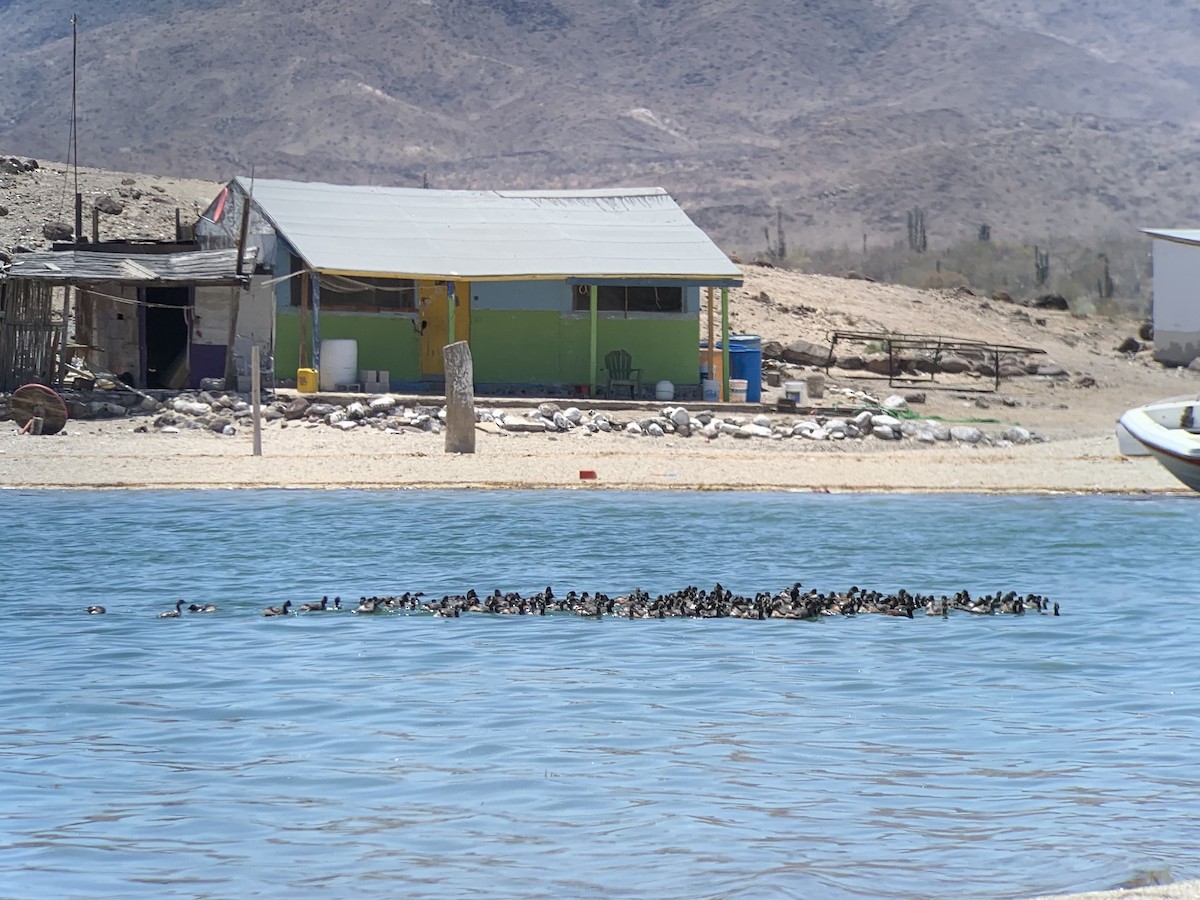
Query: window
[629, 298]
[362, 293]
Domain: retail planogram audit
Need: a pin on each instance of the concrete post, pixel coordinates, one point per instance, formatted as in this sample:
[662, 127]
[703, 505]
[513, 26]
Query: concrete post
[460, 398]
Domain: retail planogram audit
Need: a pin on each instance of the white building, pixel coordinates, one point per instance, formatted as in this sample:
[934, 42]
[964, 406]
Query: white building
[1176, 294]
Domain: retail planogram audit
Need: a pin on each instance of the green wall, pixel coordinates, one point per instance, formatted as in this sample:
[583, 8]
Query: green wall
[550, 347]
[384, 341]
[513, 347]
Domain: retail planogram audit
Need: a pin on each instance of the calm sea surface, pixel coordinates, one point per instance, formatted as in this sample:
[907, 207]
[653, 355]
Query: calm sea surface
[402, 755]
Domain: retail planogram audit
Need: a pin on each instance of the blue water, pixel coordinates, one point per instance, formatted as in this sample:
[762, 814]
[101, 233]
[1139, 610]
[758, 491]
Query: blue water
[403, 755]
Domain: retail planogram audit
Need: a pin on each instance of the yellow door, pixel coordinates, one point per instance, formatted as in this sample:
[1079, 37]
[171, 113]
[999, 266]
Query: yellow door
[434, 325]
[462, 311]
[434, 321]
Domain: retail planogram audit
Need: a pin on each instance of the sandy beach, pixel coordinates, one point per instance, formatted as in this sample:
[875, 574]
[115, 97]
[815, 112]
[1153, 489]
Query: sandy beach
[112, 454]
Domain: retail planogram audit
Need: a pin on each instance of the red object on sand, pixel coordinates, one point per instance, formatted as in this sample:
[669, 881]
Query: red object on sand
[586, 475]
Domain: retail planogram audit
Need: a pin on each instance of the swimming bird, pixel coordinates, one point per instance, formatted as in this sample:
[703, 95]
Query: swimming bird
[202, 608]
[96, 610]
[316, 607]
[366, 605]
[278, 610]
[172, 613]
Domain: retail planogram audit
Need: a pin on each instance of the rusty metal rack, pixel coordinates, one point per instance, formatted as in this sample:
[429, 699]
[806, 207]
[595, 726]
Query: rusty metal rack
[933, 346]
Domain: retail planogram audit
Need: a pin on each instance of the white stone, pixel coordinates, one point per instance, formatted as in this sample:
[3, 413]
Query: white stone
[347, 425]
[335, 417]
[383, 404]
[884, 433]
[573, 414]
[229, 431]
[633, 428]
[884, 421]
[191, 407]
[925, 436]
[1018, 435]
[895, 402]
[169, 429]
[561, 422]
[522, 424]
[603, 424]
[966, 433]
[710, 431]
[762, 421]
[680, 416]
[654, 430]
[730, 428]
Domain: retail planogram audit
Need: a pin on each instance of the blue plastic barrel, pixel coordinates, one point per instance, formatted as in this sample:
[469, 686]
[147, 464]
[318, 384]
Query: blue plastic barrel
[745, 361]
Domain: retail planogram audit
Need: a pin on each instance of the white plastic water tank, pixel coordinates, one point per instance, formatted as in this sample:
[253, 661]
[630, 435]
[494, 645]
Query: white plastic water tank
[339, 362]
[664, 390]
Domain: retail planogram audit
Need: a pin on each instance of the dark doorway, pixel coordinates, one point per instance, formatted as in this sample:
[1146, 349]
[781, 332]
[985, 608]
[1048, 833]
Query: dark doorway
[166, 337]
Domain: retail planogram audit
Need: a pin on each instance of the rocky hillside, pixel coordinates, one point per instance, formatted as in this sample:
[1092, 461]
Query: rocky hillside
[37, 203]
[1040, 118]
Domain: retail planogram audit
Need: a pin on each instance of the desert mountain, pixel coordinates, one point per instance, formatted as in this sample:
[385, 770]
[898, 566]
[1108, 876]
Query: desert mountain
[1039, 117]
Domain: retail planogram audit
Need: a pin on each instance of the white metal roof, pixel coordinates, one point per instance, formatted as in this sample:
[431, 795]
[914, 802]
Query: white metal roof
[481, 235]
[1178, 235]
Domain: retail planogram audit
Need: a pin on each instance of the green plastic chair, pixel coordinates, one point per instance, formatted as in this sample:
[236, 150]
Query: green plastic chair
[622, 374]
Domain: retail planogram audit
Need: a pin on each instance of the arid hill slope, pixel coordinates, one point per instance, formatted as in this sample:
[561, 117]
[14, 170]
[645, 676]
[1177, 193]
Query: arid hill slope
[1037, 117]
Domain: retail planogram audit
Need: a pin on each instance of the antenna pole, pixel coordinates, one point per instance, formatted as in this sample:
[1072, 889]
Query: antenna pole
[74, 126]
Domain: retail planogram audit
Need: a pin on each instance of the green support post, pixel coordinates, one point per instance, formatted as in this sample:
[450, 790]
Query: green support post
[593, 305]
[725, 344]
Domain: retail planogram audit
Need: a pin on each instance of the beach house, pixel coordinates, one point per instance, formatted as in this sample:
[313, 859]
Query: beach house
[542, 284]
[1176, 303]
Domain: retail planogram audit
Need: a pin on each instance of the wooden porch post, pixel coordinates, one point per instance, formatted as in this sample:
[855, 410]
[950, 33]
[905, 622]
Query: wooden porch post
[303, 350]
[725, 344]
[451, 302]
[712, 344]
[593, 305]
[316, 321]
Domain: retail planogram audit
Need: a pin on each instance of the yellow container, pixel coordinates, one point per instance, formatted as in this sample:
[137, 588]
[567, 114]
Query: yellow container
[715, 377]
[306, 381]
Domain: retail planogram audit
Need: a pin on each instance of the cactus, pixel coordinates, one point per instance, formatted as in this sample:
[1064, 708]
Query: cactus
[1105, 284]
[917, 240]
[1041, 266]
[985, 232]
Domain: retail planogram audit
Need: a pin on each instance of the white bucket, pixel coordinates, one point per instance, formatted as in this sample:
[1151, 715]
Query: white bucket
[712, 390]
[737, 390]
[794, 391]
[339, 363]
[664, 390]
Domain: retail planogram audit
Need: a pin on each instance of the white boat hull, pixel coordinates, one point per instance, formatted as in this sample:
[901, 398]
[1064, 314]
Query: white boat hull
[1169, 431]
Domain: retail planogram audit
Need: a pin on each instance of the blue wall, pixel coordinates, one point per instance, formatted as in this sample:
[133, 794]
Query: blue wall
[521, 295]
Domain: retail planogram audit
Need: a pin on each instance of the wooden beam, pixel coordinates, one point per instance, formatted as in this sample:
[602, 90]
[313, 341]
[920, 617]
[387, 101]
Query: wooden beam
[725, 344]
[256, 398]
[593, 306]
[712, 344]
[305, 289]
